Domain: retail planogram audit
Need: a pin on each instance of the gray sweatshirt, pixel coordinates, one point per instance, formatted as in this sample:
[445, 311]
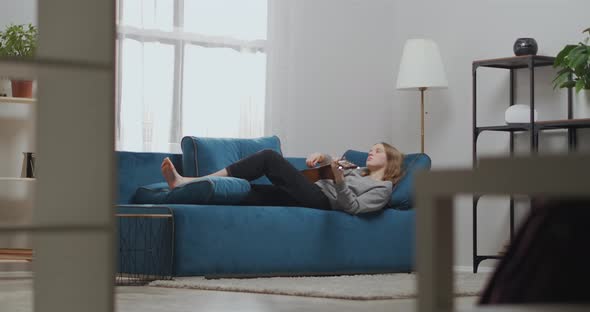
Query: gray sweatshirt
[356, 194]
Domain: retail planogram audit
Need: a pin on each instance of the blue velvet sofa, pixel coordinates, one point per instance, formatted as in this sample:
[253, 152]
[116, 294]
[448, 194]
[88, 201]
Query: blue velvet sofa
[217, 239]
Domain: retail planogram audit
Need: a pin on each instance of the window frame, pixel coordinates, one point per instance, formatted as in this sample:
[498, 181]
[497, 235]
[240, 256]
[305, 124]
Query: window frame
[178, 38]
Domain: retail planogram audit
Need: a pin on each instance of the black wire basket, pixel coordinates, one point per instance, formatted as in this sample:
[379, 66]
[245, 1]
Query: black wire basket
[145, 245]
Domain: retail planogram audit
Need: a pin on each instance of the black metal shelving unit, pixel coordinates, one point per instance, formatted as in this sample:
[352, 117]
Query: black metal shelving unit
[512, 64]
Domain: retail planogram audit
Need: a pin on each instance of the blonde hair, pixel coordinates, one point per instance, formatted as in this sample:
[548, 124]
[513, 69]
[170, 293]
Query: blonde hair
[393, 169]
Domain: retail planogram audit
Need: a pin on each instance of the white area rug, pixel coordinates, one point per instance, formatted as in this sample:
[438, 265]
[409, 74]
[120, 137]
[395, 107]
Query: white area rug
[351, 287]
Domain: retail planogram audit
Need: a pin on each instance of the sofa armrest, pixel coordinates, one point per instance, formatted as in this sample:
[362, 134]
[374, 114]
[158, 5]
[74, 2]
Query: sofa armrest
[403, 192]
[138, 169]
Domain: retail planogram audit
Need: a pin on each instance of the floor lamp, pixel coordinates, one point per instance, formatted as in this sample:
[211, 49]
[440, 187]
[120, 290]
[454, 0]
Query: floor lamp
[421, 68]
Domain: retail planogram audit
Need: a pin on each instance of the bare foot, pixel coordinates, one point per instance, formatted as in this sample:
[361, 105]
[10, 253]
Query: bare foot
[170, 174]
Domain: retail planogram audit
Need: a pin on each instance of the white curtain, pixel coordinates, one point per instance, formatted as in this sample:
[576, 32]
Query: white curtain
[189, 67]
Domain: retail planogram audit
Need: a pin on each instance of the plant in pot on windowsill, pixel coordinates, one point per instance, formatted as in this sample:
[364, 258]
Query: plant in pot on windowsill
[574, 60]
[19, 41]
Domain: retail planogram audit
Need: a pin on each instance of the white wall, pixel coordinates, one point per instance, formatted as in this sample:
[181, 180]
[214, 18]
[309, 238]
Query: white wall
[331, 87]
[18, 12]
[332, 83]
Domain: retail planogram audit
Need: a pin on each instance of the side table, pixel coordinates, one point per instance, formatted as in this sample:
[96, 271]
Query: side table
[145, 244]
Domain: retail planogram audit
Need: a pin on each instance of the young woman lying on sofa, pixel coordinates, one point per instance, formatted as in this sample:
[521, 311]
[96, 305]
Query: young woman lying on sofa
[352, 190]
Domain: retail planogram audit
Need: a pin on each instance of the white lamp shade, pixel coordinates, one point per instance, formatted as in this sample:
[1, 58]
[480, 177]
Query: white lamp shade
[421, 66]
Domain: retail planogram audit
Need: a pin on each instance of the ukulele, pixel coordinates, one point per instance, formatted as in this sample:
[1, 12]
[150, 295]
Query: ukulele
[325, 171]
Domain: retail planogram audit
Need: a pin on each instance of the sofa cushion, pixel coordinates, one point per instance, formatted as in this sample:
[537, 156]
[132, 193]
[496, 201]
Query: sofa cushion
[298, 162]
[401, 197]
[210, 190]
[203, 156]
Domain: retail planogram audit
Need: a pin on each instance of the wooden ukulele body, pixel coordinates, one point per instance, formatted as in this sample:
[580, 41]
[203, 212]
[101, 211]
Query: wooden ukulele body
[325, 171]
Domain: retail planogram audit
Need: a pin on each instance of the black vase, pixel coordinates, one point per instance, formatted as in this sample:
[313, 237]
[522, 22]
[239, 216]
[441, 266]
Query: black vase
[28, 169]
[525, 46]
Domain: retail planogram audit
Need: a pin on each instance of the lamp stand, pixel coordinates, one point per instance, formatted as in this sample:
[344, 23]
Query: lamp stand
[422, 89]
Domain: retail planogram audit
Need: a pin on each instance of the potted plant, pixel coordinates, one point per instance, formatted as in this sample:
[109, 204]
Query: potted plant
[574, 60]
[19, 41]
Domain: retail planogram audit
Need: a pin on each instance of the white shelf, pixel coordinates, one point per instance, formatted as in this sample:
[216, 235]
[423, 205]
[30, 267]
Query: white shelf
[17, 100]
[16, 191]
[16, 179]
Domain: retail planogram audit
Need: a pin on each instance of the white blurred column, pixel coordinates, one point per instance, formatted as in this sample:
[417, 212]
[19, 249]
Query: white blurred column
[74, 258]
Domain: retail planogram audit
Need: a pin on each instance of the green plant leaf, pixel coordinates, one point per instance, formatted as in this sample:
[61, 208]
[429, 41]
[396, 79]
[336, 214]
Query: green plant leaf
[572, 57]
[568, 84]
[576, 50]
[18, 40]
[562, 75]
[559, 80]
[564, 70]
[559, 59]
[579, 63]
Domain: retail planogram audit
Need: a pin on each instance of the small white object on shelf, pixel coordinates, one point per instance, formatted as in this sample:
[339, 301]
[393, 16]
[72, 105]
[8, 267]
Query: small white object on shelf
[519, 113]
[17, 100]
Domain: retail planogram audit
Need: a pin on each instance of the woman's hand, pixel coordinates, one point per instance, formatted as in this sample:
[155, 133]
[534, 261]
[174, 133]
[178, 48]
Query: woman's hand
[338, 173]
[314, 159]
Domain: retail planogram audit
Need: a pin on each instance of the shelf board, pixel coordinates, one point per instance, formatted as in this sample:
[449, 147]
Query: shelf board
[17, 100]
[16, 179]
[515, 62]
[488, 257]
[13, 254]
[564, 123]
[541, 125]
[508, 128]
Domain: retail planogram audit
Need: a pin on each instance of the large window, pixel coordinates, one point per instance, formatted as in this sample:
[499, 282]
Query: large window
[189, 67]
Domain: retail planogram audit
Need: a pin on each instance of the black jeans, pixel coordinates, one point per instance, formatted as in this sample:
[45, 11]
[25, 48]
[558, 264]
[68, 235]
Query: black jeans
[289, 188]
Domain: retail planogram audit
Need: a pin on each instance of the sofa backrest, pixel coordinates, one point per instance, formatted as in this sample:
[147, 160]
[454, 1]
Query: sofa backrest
[203, 156]
[401, 197]
[139, 169]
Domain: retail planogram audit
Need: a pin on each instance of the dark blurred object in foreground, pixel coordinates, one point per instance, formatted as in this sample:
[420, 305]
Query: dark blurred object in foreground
[549, 259]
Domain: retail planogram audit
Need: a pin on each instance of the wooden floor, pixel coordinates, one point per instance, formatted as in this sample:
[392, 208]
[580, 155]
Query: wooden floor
[16, 294]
